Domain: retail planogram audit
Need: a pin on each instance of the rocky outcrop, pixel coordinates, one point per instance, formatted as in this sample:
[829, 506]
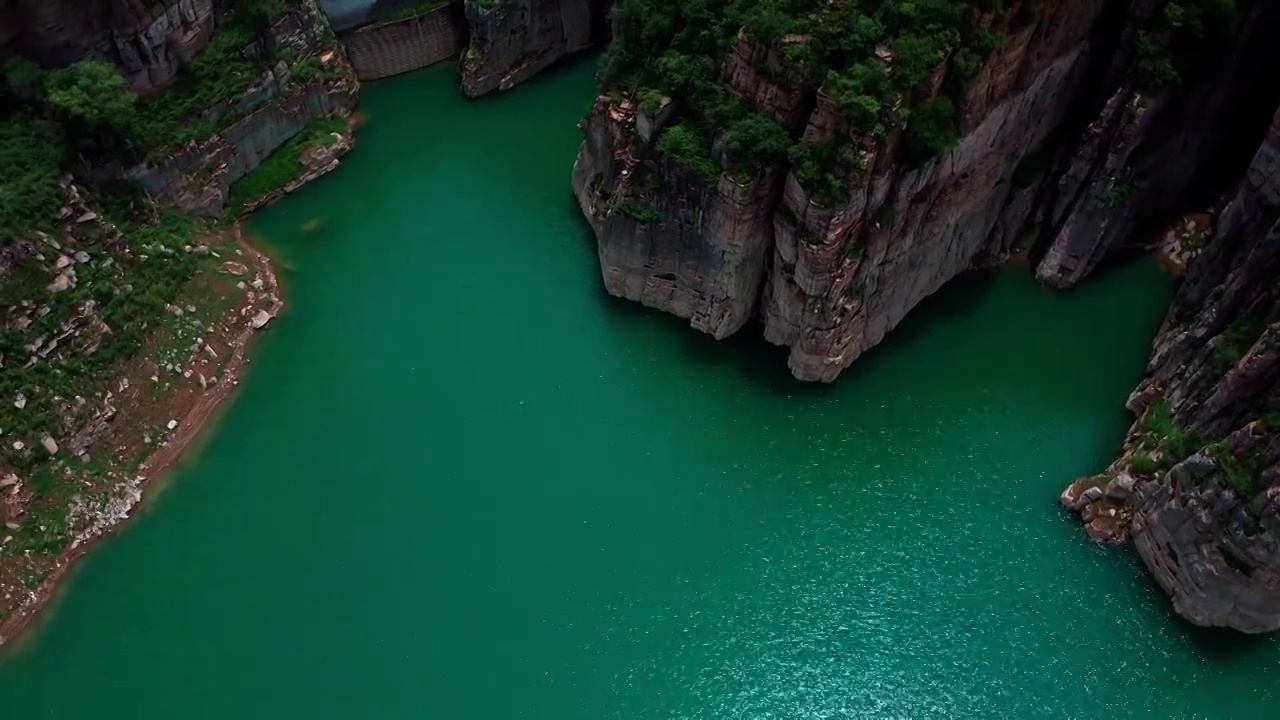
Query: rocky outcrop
[199, 176]
[829, 280]
[705, 262]
[148, 41]
[1067, 151]
[396, 46]
[1148, 155]
[1205, 515]
[513, 40]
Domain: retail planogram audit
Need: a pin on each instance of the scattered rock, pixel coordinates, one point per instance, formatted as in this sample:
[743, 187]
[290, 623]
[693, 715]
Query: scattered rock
[257, 283]
[172, 424]
[1108, 530]
[13, 526]
[260, 320]
[88, 216]
[201, 250]
[65, 281]
[50, 445]
[20, 401]
[8, 481]
[18, 445]
[1080, 493]
[82, 256]
[232, 267]
[1120, 488]
[62, 262]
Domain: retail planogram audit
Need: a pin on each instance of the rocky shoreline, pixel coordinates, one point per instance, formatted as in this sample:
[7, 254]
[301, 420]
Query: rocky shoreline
[192, 405]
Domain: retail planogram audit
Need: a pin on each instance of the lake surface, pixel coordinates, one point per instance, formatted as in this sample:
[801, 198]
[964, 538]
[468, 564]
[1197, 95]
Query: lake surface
[460, 482]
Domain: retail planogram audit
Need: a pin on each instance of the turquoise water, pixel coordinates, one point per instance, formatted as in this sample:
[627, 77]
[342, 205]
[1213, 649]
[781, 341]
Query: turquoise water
[462, 482]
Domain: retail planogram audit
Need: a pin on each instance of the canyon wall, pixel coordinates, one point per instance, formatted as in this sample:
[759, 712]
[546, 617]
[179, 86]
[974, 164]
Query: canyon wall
[829, 280]
[148, 41]
[513, 40]
[1198, 485]
[1065, 150]
[198, 177]
[1091, 130]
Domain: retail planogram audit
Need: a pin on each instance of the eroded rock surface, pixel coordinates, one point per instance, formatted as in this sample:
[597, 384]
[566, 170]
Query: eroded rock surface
[1206, 449]
[513, 40]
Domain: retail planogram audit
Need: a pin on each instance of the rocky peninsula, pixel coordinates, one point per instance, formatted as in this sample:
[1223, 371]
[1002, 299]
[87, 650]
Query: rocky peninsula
[810, 171]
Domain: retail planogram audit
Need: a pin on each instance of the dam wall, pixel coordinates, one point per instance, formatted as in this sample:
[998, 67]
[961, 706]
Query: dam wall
[391, 47]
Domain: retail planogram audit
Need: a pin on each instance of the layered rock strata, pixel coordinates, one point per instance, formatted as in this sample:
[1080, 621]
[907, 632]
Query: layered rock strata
[199, 176]
[827, 280]
[513, 40]
[148, 41]
[1205, 451]
[1066, 151]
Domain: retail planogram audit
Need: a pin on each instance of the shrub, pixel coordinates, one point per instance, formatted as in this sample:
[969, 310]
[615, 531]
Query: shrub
[755, 141]
[91, 93]
[932, 130]
[687, 148]
[31, 152]
[1144, 465]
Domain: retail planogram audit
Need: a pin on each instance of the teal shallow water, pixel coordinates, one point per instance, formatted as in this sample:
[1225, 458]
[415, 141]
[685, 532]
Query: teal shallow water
[461, 482]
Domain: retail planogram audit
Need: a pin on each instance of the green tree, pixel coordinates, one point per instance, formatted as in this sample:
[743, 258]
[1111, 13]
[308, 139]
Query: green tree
[91, 93]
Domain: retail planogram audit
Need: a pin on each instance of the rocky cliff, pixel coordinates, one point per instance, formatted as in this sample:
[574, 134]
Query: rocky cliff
[822, 169]
[310, 80]
[512, 40]
[1198, 486]
[148, 41]
[904, 161]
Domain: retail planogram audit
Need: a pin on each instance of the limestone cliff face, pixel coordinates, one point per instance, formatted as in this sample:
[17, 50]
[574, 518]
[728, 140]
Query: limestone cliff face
[1147, 155]
[1209, 530]
[148, 41]
[1067, 151]
[1198, 485]
[198, 177]
[828, 280]
[513, 40]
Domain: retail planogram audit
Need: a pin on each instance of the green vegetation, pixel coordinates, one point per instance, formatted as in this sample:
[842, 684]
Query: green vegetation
[638, 211]
[1177, 40]
[1168, 443]
[683, 146]
[876, 60]
[91, 95]
[226, 69]
[128, 290]
[1240, 472]
[1144, 464]
[284, 165]
[32, 151]
[1230, 347]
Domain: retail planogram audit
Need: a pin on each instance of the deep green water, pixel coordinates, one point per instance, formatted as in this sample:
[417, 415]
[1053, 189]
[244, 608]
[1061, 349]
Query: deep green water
[461, 482]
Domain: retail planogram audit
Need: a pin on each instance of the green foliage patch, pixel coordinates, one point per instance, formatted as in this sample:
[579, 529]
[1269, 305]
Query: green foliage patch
[873, 58]
[32, 151]
[285, 164]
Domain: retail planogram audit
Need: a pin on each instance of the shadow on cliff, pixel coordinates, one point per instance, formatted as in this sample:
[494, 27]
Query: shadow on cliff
[1218, 644]
[751, 358]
